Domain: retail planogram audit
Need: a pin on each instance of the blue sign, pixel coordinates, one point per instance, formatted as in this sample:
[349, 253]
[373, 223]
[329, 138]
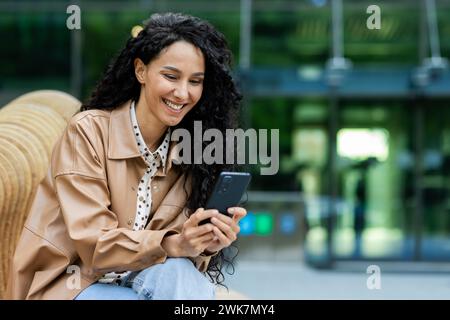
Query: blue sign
[288, 223]
[247, 224]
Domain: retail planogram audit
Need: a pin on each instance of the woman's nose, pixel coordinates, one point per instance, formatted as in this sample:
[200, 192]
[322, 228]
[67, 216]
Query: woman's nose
[181, 92]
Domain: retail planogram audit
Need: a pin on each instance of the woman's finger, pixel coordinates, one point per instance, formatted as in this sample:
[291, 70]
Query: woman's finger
[201, 243]
[196, 232]
[230, 230]
[206, 238]
[227, 220]
[208, 242]
[200, 215]
[221, 237]
[238, 213]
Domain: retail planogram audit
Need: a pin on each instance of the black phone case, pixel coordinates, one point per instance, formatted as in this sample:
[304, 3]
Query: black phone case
[228, 191]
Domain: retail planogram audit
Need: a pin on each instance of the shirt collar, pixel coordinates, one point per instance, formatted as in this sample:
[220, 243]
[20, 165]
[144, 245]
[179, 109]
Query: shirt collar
[143, 148]
[122, 142]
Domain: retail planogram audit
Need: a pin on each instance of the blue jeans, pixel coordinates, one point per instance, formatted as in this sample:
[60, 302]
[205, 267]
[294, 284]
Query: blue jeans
[175, 279]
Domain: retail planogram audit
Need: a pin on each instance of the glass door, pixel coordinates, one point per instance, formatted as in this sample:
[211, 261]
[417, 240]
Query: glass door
[375, 164]
[435, 189]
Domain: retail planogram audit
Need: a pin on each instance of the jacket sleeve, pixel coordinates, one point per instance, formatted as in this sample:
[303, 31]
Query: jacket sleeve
[202, 261]
[83, 195]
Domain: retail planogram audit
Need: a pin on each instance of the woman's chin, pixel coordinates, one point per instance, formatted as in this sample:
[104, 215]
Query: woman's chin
[172, 121]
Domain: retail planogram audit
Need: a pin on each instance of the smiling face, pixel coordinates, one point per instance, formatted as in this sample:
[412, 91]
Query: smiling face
[171, 84]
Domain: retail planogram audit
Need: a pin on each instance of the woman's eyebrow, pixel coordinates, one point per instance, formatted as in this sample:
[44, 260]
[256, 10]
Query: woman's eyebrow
[177, 70]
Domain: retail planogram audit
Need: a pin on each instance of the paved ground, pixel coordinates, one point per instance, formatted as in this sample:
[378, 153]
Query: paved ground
[294, 280]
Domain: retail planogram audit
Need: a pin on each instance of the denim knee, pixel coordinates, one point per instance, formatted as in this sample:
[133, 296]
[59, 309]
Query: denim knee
[176, 278]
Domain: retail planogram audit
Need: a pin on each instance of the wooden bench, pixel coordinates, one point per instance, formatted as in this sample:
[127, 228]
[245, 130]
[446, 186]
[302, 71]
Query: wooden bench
[29, 127]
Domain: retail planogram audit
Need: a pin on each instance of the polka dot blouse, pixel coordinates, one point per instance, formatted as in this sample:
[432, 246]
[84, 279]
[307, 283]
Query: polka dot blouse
[153, 160]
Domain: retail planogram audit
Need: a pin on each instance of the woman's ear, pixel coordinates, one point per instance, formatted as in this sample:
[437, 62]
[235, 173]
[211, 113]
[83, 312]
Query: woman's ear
[139, 70]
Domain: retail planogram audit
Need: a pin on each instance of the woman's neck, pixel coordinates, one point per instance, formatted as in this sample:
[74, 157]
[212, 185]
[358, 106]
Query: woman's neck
[151, 128]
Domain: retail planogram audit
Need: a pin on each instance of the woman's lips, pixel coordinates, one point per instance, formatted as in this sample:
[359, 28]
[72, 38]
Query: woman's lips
[173, 106]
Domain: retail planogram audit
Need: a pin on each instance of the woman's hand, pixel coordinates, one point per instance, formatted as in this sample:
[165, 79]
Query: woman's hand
[194, 238]
[225, 229]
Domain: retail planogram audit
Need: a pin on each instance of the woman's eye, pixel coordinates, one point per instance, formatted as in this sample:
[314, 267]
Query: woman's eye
[196, 82]
[170, 77]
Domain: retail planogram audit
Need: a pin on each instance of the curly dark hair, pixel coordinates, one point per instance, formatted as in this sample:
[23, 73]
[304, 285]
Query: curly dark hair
[217, 108]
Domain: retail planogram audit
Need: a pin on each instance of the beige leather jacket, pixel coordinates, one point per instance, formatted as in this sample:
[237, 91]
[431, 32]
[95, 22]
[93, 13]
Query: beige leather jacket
[82, 214]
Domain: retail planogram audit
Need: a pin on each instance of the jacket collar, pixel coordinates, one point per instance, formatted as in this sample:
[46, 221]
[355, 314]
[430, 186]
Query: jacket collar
[122, 142]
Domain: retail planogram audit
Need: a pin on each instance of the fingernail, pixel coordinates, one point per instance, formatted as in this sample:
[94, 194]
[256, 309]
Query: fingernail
[231, 210]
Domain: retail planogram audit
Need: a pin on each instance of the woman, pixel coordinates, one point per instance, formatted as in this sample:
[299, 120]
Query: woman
[118, 216]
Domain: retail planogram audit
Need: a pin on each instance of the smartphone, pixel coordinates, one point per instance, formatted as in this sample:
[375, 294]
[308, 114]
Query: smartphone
[228, 191]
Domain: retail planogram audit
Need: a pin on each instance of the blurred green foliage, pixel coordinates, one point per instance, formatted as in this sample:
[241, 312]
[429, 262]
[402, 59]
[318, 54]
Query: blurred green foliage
[37, 44]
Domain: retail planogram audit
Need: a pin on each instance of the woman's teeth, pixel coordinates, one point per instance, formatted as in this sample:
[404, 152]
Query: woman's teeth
[173, 105]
